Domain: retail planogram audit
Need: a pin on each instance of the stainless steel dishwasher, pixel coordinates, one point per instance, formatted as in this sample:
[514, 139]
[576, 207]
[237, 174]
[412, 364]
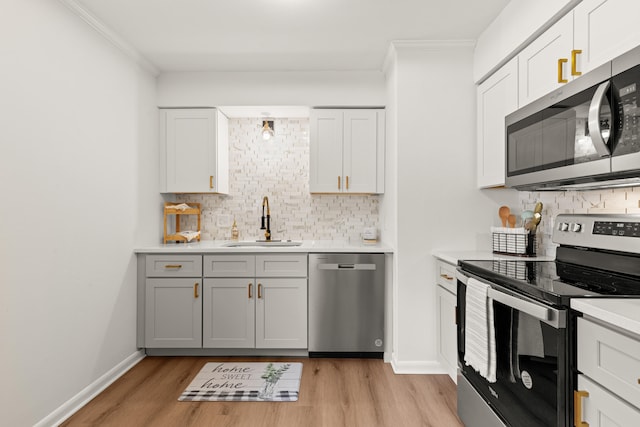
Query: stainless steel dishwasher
[346, 305]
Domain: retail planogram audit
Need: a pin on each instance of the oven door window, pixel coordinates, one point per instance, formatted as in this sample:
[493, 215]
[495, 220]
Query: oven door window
[530, 355]
[557, 136]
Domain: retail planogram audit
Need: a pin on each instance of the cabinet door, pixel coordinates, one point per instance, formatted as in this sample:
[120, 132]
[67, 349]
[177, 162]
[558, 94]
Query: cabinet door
[173, 313]
[605, 29]
[538, 62]
[191, 161]
[602, 408]
[325, 167]
[497, 97]
[281, 313]
[611, 358]
[360, 151]
[228, 313]
[447, 346]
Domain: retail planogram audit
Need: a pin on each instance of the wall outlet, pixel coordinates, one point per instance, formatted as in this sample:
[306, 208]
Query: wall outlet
[223, 221]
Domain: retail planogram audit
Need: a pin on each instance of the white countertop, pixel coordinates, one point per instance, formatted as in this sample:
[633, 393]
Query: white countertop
[452, 257]
[308, 246]
[621, 312]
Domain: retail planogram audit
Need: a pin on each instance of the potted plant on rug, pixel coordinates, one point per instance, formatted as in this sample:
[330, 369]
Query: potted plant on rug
[271, 376]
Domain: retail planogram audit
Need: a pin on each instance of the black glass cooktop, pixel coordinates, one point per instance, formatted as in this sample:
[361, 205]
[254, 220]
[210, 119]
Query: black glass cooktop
[554, 281]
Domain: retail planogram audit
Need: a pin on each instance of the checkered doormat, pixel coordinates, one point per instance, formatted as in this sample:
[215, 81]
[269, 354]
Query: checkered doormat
[278, 382]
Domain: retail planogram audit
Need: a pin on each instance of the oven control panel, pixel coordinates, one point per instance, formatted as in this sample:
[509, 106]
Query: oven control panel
[617, 228]
[603, 231]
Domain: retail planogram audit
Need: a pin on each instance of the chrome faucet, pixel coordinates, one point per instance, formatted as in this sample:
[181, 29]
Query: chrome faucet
[266, 225]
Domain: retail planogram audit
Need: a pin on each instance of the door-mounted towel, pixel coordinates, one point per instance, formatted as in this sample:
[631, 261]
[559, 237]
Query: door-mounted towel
[480, 336]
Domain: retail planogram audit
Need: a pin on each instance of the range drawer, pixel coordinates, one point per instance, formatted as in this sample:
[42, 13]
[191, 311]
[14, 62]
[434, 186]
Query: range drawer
[281, 265]
[610, 358]
[173, 265]
[446, 276]
[229, 265]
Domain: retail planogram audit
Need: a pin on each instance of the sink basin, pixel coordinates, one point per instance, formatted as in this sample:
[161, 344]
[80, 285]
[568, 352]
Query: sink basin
[262, 243]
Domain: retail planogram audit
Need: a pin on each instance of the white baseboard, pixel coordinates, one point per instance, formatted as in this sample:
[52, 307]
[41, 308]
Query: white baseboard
[417, 367]
[72, 405]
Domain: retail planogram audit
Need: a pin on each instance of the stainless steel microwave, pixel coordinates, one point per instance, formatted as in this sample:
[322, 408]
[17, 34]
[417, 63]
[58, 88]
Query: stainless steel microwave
[584, 135]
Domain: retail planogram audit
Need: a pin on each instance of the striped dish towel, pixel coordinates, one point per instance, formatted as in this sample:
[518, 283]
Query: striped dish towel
[480, 335]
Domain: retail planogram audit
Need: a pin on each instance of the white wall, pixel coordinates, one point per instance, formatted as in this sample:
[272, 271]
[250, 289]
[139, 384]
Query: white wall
[438, 204]
[322, 88]
[78, 164]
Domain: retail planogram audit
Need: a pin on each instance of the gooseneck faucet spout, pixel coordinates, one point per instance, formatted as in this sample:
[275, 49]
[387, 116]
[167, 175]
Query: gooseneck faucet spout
[266, 221]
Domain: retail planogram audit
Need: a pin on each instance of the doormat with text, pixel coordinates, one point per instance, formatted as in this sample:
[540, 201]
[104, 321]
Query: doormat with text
[276, 382]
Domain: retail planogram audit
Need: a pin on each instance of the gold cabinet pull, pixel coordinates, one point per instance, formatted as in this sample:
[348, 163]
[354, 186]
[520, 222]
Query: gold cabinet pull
[173, 266]
[577, 408]
[574, 71]
[195, 290]
[446, 276]
[211, 181]
[338, 183]
[561, 62]
[250, 290]
[347, 182]
[259, 290]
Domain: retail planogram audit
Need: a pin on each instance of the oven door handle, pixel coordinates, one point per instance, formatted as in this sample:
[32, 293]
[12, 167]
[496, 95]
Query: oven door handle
[532, 309]
[552, 316]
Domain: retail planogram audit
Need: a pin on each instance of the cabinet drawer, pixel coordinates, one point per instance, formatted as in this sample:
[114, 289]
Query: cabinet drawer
[610, 358]
[173, 265]
[602, 408]
[281, 265]
[446, 276]
[229, 266]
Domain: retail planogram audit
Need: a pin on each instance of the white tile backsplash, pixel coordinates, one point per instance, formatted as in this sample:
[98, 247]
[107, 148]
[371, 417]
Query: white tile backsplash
[616, 201]
[278, 169]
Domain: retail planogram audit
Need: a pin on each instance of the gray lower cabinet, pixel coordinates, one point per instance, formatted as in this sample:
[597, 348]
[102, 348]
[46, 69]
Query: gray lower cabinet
[281, 313]
[229, 313]
[173, 301]
[225, 301]
[255, 307]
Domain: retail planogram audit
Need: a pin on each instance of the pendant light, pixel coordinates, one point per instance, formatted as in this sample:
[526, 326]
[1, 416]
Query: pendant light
[267, 130]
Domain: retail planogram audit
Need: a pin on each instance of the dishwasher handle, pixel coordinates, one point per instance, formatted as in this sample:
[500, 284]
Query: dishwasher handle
[346, 266]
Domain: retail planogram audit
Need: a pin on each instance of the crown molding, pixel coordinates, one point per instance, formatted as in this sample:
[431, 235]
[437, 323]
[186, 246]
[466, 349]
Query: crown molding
[429, 45]
[432, 44]
[111, 36]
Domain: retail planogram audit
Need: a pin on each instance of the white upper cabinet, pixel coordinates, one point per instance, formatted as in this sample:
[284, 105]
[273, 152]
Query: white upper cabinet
[544, 64]
[594, 32]
[497, 97]
[605, 29]
[347, 151]
[194, 151]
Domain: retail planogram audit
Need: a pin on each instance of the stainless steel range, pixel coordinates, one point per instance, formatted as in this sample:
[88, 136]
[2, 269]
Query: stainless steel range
[517, 341]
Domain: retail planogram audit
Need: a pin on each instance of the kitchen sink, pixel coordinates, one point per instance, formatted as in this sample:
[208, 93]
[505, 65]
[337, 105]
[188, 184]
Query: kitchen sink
[262, 243]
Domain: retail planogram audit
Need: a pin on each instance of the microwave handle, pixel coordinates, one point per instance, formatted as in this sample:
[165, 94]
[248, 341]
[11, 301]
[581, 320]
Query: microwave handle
[594, 120]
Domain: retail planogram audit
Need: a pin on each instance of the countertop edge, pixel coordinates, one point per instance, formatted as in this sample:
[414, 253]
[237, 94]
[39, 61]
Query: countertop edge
[452, 257]
[308, 246]
[621, 312]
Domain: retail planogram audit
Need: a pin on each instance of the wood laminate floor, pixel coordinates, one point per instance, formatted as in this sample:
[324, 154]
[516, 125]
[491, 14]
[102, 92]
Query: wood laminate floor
[333, 393]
